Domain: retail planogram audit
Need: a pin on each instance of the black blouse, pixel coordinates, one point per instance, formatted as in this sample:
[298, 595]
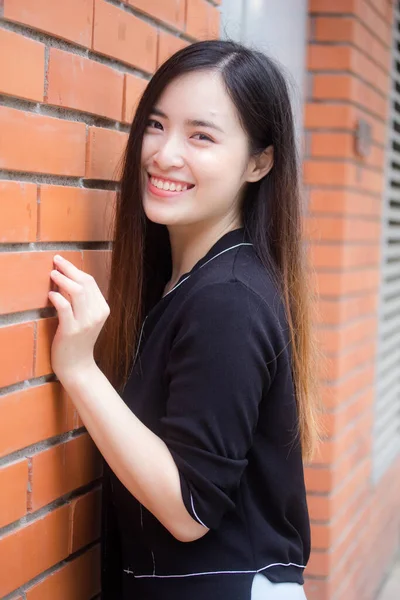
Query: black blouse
[212, 378]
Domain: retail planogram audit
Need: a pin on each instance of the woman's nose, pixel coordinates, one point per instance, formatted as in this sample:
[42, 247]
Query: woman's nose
[170, 154]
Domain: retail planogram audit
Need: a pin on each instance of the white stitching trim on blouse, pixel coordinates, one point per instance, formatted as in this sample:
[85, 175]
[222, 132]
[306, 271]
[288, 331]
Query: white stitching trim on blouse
[206, 263]
[217, 572]
[195, 513]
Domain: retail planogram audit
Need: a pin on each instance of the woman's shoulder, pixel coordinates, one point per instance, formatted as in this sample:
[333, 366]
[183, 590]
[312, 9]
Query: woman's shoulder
[239, 279]
[238, 297]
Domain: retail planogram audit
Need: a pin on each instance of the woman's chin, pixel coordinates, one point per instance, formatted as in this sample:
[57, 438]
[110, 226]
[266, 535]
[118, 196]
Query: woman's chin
[161, 214]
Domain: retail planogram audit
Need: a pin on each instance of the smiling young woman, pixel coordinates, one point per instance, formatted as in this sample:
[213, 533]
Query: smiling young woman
[202, 399]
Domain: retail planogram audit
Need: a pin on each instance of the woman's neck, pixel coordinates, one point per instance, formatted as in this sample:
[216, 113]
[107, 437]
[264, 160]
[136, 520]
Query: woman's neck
[190, 244]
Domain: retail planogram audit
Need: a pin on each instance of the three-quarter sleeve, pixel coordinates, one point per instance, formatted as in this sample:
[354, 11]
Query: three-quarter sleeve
[221, 363]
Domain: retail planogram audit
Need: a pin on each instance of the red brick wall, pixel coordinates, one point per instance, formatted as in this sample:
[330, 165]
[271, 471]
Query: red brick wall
[70, 75]
[355, 523]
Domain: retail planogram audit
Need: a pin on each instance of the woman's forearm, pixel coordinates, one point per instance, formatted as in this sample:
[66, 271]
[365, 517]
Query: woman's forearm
[138, 457]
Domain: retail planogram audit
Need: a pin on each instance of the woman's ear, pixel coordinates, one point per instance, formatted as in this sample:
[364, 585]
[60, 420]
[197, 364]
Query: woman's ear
[260, 165]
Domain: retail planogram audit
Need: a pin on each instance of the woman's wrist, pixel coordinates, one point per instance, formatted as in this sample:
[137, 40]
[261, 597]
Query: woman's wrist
[78, 375]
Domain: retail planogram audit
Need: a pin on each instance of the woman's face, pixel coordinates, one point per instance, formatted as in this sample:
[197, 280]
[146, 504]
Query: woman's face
[195, 155]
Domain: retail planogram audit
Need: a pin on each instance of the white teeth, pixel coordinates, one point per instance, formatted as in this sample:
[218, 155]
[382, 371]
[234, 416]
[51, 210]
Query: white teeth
[161, 184]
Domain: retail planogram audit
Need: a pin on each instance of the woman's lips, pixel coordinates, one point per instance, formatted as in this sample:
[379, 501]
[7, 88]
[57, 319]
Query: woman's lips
[164, 193]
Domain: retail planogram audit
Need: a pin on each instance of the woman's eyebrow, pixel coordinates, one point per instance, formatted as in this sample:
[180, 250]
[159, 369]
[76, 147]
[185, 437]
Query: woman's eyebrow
[193, 122]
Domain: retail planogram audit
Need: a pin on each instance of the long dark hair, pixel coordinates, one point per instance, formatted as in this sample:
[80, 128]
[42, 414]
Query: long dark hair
[271, 212]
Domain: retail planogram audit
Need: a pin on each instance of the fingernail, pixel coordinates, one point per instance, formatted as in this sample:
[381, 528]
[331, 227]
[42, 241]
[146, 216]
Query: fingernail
[57, 257]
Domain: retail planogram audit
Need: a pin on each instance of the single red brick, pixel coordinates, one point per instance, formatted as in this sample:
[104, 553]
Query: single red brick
[13, 485]
[105, 153]
[18, 212]
[21, 66]
[85, 520]
[98, 264]
[16, 353]
[34, 414]
[124, 37]
[333, 58]
[79, 83]
[134, 88]
[70, 20]
[28, 279]
[45, 332]
[75, 214]
[168, 44]
[202, 20]
[41, 144]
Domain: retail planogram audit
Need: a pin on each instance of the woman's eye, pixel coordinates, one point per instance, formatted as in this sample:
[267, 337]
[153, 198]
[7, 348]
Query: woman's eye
[203, 137]
[153, 124]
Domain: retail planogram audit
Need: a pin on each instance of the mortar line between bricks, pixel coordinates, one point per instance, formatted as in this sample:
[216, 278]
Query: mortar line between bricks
[348, 217]
[343, 214]
[346, 160]
[50, 246]
[66, 114]
[21, 386]
[348, 296]
[356, 320]
[351, 269]
[40, 446]
[46, 73]
[344, 188]
[51, 179]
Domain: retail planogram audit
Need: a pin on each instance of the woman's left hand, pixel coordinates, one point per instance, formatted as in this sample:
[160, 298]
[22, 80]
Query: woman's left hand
[80, 319]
